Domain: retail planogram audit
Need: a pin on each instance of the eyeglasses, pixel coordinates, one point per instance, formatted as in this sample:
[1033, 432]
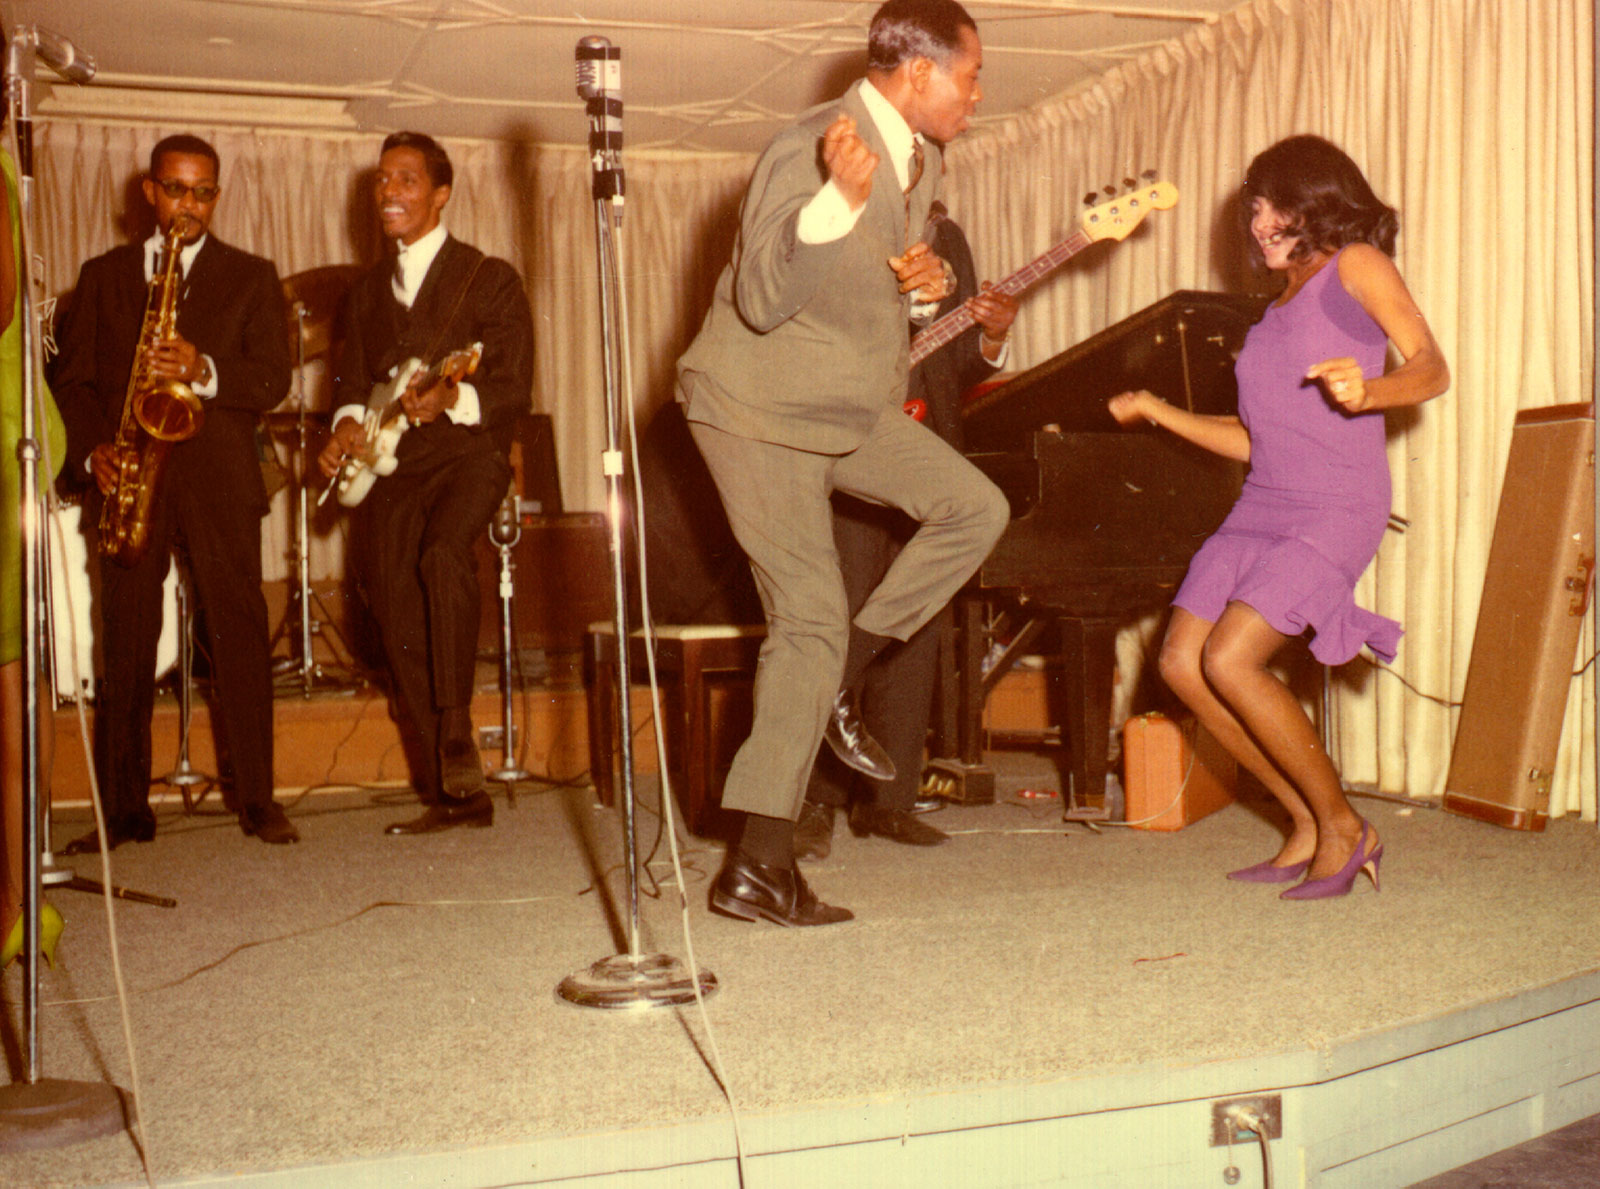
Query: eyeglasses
[175, 190]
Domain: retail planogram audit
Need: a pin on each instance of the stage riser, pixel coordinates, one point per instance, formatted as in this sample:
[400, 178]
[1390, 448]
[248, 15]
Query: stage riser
[352, 740]
[1384, 1126]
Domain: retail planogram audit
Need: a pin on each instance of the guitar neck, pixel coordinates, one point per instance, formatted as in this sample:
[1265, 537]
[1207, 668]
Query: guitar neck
[957, 321]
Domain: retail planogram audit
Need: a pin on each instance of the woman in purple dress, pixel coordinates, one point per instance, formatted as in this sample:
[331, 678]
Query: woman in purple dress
[1312, 389]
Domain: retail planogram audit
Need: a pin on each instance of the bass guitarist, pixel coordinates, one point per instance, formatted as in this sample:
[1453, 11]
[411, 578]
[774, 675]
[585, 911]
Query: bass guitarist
[413, 533]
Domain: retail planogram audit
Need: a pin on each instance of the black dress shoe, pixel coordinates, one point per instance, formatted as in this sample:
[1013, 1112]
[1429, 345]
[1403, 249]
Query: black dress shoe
[476, 810]
[138, 830]
[813, 833]
[848, 737]
[894, 824]
[753, 891]
[270, 824]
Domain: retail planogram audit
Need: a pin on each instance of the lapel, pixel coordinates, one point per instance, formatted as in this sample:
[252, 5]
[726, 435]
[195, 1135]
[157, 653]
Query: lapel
[885, 205]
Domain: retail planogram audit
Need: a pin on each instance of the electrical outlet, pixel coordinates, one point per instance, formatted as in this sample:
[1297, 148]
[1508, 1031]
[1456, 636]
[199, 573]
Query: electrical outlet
[1226, 1126]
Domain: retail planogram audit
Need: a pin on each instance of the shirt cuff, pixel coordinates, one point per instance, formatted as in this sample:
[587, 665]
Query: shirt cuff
[999, 360]
[466, 410]
[209, 389]
[827, 217]
[357, 412]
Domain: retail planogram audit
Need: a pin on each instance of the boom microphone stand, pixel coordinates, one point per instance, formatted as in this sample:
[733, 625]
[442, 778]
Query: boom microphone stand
[38, 1112]
[632, 981]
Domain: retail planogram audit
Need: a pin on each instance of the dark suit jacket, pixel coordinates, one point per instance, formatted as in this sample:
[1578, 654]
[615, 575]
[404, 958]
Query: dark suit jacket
[232, 309]
[942, 377]
[447, 315]
[805, 344]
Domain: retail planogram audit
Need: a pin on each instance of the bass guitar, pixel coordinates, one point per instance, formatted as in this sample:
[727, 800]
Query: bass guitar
[385, 421]
[1114, 219]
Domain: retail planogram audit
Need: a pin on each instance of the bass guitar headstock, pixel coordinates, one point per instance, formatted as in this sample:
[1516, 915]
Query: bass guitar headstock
[1116, 217]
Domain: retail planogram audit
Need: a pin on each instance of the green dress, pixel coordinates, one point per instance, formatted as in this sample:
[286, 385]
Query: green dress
[10, 434]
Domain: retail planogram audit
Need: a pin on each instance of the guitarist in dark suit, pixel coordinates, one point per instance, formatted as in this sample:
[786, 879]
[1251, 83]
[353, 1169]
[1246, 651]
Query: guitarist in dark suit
[896, 694]
[414, 532]
[232, 349]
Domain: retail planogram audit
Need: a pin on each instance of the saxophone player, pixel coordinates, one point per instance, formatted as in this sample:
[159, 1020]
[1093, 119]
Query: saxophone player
[230, 348]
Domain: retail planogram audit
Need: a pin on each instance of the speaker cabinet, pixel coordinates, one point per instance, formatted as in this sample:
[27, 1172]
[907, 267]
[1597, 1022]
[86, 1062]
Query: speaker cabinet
[562, 568]
[1535, 595]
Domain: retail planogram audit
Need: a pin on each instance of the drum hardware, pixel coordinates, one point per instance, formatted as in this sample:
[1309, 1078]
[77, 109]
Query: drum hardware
[505, 530]
[301, 666]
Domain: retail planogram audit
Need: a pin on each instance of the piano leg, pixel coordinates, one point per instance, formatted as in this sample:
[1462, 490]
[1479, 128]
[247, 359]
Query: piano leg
[1088, 647]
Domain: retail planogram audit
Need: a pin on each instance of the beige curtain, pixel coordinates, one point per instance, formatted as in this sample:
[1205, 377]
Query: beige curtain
[1473, 117]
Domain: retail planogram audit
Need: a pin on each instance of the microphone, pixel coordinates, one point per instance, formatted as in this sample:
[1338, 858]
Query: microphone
[599, 72]
[54, 51]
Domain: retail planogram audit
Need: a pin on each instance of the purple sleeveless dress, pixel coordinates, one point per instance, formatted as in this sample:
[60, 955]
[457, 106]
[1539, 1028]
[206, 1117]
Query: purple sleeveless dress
[1316, 500]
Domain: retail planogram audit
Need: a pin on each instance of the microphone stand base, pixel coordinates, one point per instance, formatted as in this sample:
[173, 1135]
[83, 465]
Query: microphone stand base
[52, 1113]
[623, 982]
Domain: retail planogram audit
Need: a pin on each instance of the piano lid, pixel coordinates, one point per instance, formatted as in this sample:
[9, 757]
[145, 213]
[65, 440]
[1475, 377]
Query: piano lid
[1182, 348]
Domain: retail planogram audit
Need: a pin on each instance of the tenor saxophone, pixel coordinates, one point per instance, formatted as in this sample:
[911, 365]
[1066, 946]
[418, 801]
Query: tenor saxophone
[156, 412]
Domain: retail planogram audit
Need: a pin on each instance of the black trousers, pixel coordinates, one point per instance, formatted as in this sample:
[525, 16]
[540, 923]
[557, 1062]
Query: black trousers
[417, 529]
[222, 545]
[896, 695]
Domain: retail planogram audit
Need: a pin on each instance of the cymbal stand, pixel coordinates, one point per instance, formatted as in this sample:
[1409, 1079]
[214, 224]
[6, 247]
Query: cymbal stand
[184, 775]
[505, 530]
[302, 662]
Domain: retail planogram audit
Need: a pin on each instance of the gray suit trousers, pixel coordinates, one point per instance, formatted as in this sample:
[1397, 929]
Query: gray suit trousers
[777, 500]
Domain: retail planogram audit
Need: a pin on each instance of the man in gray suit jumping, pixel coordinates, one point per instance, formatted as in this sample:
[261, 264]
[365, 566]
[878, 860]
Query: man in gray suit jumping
[794, 389]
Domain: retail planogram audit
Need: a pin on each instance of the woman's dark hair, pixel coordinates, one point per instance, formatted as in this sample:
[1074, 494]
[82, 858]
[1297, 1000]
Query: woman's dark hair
[905, 29]
[1324, 195]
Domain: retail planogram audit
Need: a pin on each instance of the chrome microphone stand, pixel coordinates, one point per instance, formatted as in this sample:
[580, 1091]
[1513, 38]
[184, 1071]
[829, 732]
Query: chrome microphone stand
[505, 530]
[38, 1112]
[184, 775]
[631, 980]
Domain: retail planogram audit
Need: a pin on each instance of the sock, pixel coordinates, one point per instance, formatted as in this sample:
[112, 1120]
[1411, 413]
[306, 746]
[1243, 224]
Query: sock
[768, 840]
[864, 646]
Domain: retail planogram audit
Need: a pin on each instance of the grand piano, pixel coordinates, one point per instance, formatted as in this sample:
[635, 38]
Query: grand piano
[1104, 522]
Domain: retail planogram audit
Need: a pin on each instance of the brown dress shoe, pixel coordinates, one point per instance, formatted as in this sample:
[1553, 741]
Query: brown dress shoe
[270, 824]
[476, 810]
[753, 891]
[894, 824]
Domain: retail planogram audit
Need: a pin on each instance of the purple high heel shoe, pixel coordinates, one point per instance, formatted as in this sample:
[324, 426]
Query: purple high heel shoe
[1267, 873]
[1341, 881]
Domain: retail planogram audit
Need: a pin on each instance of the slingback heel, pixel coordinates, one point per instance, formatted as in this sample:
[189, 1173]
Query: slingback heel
[1341, 881]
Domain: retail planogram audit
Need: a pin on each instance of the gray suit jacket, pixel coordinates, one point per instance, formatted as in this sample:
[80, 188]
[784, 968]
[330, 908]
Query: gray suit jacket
[805, 344]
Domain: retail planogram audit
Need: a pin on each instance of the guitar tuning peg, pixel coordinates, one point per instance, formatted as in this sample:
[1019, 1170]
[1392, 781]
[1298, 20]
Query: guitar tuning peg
[1111, 191]
[1149, 175]
[1129, 183]
[1092, 197]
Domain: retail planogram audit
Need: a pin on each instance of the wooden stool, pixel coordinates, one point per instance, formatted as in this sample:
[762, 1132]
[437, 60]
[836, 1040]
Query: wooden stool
[690, 658]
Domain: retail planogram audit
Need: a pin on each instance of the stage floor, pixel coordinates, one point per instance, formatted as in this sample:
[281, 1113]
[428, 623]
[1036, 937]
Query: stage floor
[1032, 1003]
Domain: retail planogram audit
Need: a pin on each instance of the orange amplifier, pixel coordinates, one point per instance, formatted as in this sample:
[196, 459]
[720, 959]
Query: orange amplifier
[1173, 773]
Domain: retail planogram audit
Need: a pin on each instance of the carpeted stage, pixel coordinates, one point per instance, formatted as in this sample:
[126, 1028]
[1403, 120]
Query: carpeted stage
[1031, 1004]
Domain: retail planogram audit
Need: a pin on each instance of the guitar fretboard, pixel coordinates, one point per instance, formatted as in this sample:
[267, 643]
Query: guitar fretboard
[946, 329]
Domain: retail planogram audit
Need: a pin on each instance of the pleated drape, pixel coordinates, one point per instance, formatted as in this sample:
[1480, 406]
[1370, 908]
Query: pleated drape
[1473, 117]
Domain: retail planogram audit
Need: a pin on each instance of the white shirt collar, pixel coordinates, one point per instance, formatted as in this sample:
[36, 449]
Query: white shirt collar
[897, 135]
[412, 262]
[152, 253]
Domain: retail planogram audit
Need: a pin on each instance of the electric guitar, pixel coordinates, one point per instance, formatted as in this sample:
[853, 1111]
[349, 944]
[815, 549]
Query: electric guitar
[1114, 219]
[385, 421]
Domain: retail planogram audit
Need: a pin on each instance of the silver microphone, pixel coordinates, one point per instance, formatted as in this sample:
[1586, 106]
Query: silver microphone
[57, 52]
[599, 71]
[599, 67]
